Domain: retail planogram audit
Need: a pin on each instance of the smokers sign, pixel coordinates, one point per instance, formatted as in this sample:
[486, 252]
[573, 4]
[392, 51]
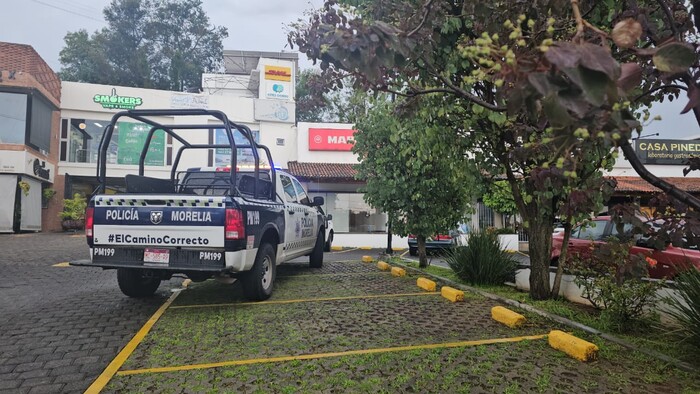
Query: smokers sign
[331, 139]
[673, 152]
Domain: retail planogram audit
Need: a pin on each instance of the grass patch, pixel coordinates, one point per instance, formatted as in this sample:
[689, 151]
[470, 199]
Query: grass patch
[652, 335]
[480, 368]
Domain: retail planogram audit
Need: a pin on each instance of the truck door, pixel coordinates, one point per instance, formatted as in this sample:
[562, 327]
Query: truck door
[293, 212]
[309, 221]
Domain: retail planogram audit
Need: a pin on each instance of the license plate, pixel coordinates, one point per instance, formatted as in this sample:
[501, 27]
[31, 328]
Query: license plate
[156, 256]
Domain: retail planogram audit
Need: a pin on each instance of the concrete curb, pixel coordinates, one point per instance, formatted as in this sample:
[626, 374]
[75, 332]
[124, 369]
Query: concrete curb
[507, 317]
[426, 284]
[396, 271]
[383, 266]
[577, 348]
[570, 323]
[452, 294]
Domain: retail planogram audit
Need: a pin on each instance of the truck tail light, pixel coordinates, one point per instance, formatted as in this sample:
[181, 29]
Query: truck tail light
[89, 221]
[234, 228]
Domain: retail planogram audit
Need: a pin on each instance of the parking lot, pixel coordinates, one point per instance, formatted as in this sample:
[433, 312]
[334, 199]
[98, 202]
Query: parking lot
[347, 327]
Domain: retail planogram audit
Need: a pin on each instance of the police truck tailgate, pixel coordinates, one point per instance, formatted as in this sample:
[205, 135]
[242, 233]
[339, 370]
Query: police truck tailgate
[159, 231]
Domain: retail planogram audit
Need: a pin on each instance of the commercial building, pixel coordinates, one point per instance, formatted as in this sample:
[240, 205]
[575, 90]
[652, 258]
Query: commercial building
[662, 157]
[30, 94]
[50, 133]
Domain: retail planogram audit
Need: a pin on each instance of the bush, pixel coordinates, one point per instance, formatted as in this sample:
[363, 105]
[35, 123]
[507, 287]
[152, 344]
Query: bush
[482, 262]
[686, 311]
[611, 280]
[74, 208]
[502, 231]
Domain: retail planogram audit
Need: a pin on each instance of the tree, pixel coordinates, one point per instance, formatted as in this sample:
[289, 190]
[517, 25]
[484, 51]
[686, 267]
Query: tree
[150, 44]
[311, 102]
[413, 170]
[316, 102]
[537, 90]
[499, 197]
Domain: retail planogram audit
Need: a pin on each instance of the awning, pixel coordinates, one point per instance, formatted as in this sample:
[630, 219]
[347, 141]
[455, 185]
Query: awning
[324, 172]
[631, 184]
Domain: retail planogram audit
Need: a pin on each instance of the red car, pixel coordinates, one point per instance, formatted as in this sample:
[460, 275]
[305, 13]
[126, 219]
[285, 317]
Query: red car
[434, 243]
[665, 263]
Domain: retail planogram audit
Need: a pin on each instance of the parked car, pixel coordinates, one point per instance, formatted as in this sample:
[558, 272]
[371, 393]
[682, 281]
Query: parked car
[669, 261]
[440, 242]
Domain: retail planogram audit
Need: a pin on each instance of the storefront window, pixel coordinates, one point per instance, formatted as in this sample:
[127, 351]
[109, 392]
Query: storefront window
[124, 147]
[351, 214]
[84, 141]
[13, 118]
[40, 125]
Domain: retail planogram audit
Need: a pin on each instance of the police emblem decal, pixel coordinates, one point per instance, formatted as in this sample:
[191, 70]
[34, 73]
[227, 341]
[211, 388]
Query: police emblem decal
[156, 217]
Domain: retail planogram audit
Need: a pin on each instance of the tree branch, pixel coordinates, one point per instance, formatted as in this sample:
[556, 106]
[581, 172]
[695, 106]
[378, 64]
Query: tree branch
[579, 20]
[466, 95]
[426, 12]
[669, 16]
[666, 187]
[672, 86]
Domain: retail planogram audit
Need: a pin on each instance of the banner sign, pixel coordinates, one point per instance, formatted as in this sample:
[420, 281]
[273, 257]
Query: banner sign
[278, 82]
[277, 73]
[185, 100]
[132, 138]
[673, 152]
[331, 139]
[115, 101]
[222, 157]
[274, 111]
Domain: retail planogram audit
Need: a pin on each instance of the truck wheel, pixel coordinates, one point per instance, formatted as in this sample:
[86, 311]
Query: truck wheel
[329, 242]
[413, 251]
[137, 283]
[316, 257]
[257, 283]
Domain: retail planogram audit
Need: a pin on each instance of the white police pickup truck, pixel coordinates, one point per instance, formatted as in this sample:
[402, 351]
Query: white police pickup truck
[203, 222]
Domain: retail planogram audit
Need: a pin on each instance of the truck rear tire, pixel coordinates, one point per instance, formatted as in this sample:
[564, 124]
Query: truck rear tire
[329, 242]
[316, 257]
[136, 283]
[257, 283]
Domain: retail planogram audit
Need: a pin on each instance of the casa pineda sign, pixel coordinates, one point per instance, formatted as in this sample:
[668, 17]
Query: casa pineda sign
[673, 152]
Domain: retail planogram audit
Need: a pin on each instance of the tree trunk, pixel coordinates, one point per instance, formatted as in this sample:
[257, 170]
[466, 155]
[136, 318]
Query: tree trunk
[562, 259]
[540, 245]
[389, 249]
[422, 256]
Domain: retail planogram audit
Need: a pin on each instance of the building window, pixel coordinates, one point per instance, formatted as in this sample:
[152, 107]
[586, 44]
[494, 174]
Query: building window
[84, 141]
[40, 125]
[124, 147]
[351, 214]
[13, 118]
[486, 219]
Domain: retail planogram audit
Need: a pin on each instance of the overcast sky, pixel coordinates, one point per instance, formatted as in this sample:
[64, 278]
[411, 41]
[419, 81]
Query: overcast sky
[252, 25]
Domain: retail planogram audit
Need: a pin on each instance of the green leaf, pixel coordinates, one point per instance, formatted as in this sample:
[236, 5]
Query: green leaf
[594, 85]
[498, 118]
[556, 113]
[674, 57]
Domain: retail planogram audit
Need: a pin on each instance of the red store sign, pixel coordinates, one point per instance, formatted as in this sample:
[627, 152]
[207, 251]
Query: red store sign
[331, 139]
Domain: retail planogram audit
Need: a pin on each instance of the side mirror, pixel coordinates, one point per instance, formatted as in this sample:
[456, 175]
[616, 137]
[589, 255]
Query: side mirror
[329, 217]
[318, 201]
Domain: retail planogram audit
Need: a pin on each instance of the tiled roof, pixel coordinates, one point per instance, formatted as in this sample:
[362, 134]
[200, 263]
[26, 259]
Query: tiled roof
[632, 184]
[21, 57]
[323, 171]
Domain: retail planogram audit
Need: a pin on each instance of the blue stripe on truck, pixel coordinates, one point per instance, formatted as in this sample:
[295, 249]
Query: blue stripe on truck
[165, 216]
